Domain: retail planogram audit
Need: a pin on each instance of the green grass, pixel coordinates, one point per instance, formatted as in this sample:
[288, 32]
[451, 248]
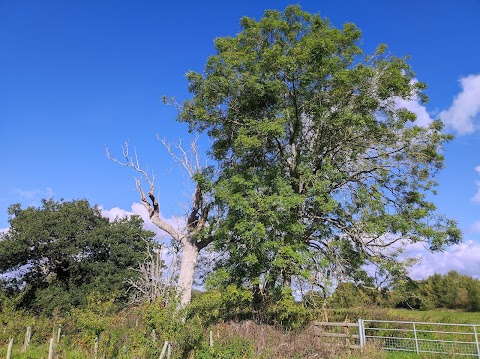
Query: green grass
[376, 313]
[437, 316]
[397, 355]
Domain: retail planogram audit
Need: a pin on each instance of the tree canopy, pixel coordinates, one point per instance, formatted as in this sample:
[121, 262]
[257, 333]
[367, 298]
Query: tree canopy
[320, 169]
[54, 255]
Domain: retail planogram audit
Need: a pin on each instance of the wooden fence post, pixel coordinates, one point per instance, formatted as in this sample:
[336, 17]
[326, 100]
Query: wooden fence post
[211, 338]
[343, 332]
[346, 330]
[9, 350]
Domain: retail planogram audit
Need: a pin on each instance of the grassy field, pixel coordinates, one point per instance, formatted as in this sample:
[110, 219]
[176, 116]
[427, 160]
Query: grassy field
[438, 316]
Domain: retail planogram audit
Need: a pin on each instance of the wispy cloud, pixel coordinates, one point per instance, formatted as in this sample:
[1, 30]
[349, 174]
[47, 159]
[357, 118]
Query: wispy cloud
[464, 112]
[463, 258]
[32, 194]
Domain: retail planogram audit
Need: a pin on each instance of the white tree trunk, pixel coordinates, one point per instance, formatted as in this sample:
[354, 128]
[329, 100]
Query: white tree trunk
[187, 270]
[197, 217]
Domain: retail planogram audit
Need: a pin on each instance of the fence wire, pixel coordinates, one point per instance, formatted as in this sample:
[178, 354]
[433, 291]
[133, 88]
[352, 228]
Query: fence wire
[422, 337]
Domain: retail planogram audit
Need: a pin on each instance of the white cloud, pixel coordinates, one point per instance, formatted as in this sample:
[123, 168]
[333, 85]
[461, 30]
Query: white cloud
[463, 258]
[414, 105]
[462, 115]
[138, 209]
[465, 109]
[115, 212]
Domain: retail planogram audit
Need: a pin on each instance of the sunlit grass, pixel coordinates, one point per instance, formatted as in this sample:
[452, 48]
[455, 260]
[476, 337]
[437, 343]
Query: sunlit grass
[438, 316]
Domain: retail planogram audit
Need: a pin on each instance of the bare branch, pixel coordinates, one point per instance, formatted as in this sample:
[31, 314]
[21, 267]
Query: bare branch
[156, 279]
[149, 201]
[190, 163]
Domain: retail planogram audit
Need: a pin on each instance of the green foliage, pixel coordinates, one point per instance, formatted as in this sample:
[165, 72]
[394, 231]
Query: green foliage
[236, 303]
[318, 164]
[172, 325]
[450, 291]
[288, 314]
[128, 334]
[228, 349]
[95, 317]
[349, 295]
[222, 304]
[61, 251]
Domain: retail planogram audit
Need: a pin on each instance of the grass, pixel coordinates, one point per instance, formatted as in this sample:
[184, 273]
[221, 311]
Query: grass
[435, 316]
[438, 316]
[241, 340]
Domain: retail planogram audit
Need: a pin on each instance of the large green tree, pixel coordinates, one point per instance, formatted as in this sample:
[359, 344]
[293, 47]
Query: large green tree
[56, 254]
[320, 168]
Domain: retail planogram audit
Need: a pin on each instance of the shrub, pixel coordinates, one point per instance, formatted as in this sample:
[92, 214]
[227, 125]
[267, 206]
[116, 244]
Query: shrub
[227, 349]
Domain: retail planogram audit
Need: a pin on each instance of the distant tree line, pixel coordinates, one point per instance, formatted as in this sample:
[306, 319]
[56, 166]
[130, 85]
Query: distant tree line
[449, 291]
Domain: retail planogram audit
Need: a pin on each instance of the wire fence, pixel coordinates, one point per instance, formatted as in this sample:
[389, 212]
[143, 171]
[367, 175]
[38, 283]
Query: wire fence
[421, 337]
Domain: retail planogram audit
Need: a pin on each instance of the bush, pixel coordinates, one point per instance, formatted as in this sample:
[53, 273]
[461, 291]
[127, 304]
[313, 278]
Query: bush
[173, 326]
[220, 305]
[226, 349]
[288, 314]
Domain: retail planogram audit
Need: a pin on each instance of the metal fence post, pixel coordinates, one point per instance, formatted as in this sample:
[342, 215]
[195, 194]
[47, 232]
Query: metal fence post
[476, 339]
[361, 334]
[416, 339]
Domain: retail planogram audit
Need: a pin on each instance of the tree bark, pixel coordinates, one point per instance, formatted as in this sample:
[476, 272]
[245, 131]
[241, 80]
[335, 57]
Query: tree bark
[187, 269]
[196, 219]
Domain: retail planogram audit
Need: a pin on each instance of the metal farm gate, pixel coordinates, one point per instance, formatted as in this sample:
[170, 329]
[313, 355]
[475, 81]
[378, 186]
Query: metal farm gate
[421, 337]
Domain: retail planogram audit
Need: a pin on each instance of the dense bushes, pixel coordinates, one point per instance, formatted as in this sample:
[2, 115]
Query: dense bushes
[237, 304]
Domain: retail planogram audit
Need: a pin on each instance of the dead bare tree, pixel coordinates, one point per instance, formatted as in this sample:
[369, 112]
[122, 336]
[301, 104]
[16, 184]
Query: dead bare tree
[190, 238]
[156, 279]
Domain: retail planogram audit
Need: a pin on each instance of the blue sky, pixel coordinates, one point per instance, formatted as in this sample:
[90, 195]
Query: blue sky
[76, 76]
